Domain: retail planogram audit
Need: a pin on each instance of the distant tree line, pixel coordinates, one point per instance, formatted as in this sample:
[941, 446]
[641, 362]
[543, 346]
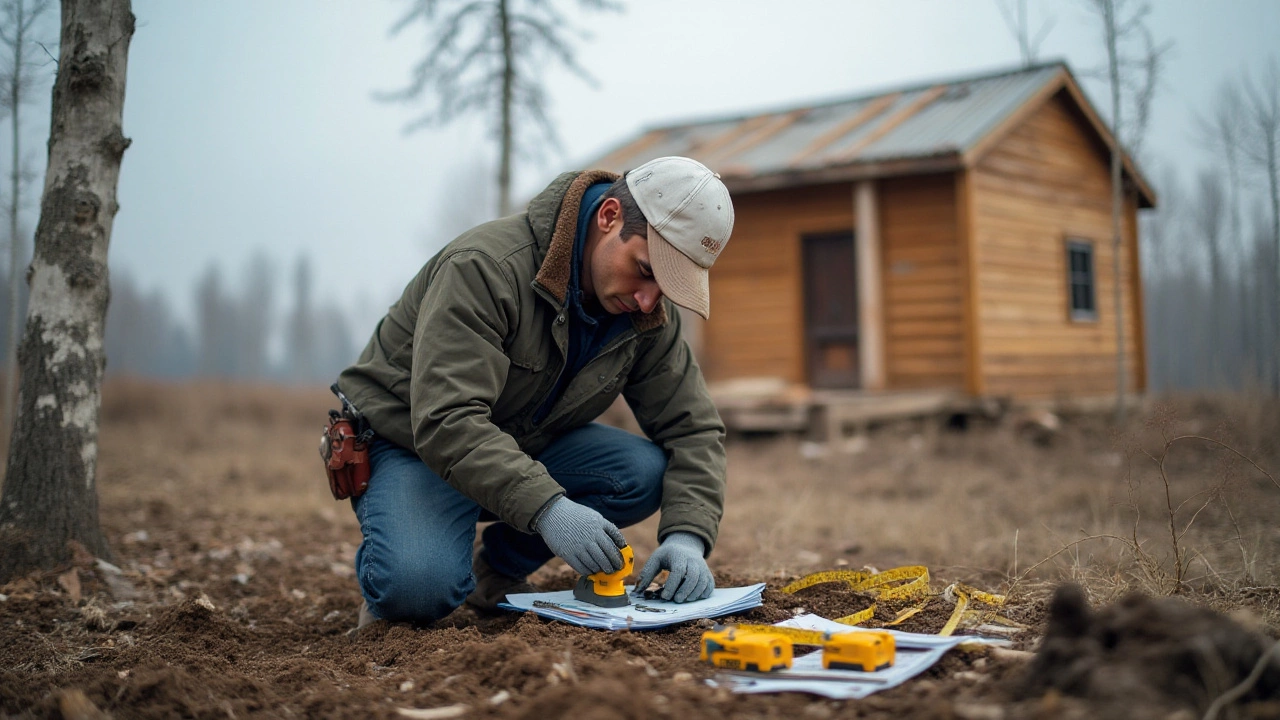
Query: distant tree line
[240, 332]
[1210, 293]
[1211, 252]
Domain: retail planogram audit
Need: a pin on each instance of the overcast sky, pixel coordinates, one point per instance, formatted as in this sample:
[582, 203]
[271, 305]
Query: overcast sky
[255, 129]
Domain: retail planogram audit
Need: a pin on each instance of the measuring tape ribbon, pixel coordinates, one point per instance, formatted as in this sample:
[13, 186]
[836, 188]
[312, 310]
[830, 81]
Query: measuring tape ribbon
[903, 583]
[914, 579]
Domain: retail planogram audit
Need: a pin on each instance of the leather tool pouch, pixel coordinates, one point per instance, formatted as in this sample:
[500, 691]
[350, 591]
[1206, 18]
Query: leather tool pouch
[344, 447]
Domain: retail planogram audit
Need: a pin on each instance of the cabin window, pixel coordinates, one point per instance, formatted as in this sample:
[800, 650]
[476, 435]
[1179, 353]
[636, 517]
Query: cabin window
[1081, 287]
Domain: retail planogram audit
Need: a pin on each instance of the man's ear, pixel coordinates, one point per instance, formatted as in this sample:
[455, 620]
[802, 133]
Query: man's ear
[609, 213]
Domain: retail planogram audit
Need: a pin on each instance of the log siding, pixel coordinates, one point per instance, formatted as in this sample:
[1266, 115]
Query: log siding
[1044, 183]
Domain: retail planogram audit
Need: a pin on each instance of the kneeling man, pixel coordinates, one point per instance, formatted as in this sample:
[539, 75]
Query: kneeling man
[482, 382]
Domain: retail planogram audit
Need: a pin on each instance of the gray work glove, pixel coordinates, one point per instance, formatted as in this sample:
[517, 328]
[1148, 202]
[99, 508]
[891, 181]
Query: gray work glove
[690, 578]
[581, 537]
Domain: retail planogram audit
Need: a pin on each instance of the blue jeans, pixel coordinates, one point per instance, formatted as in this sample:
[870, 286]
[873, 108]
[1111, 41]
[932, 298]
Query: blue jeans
[414, 562]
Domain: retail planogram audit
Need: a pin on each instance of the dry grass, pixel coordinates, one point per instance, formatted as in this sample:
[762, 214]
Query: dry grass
[983, 505]
[235, 448]
[987, 505]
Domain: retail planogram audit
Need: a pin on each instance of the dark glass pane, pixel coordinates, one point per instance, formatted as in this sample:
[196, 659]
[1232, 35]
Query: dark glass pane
[1080, 276]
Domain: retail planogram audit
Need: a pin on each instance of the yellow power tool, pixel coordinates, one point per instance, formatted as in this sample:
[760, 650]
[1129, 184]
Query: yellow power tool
[607, 589]
[736, 649]
[863, 651]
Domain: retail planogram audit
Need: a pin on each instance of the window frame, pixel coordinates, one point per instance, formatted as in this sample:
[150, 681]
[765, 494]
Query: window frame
[1075, 314]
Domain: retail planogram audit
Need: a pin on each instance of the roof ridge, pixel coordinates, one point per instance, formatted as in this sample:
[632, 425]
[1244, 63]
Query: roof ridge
[862, 97]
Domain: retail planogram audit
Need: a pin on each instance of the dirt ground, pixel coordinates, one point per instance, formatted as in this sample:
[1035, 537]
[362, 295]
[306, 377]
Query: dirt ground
[233, 589]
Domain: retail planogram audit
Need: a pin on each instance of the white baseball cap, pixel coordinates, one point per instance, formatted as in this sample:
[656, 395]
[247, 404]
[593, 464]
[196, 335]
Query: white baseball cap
[690, 219]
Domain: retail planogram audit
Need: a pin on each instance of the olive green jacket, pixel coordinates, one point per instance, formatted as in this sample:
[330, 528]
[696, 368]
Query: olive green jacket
[461, 363]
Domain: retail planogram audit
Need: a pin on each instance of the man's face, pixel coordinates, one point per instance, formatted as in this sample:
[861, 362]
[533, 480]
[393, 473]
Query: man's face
[618, 273]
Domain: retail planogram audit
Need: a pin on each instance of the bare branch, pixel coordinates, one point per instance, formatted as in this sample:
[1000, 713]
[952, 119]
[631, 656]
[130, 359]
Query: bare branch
[1132, 25]
[1014, 13]
[1228, 448]
[1221, 131]
[487, 55]
[1212, 495]
[1041, 35]
[1238, 691]
[1262, 114]
[52, 58]
[1137, 70]
[602, 5]
[1149, 69]
[1069, 546]
[553, 43]
[426, 71]
[420, 10]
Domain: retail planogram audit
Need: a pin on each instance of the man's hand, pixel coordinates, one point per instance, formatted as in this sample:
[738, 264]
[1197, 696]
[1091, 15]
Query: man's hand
[581, 537]
[690, 578]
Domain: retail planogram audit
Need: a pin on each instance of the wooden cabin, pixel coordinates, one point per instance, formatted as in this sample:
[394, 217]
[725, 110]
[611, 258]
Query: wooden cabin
[953, 236]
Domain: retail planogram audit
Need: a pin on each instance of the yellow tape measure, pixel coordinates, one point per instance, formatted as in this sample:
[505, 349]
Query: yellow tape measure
[903, 583]
[914, 581]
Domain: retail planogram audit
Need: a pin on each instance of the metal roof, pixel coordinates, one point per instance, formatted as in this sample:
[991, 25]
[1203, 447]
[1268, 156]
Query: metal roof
[914, 129]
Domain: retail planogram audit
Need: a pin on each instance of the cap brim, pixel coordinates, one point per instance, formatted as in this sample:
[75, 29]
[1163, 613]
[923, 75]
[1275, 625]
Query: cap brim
[680, 278]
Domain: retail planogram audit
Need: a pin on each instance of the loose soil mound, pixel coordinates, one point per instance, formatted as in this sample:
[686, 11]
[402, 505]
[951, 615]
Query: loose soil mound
[1145, 657]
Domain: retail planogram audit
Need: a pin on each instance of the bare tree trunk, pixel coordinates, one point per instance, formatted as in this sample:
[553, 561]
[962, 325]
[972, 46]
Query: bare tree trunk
[1015, 17]
[508, 91]
[1273, 179]
[1262, 144]
[50, 497]
[1024, 39]
[302, 327]
[1117, 196]
[1231, 152]
[15, 247]
[1207, 220]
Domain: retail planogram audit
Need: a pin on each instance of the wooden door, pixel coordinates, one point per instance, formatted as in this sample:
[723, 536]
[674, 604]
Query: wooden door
[831, 310]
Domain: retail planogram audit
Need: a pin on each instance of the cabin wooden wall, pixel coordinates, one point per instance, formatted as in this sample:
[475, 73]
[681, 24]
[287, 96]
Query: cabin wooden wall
[1046, 181]
[921, 274]
[757, 318]
[1004, 330]
[756, 327]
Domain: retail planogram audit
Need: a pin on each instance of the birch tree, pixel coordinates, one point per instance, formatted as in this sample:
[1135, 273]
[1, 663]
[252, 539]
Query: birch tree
[1132, 78]
[488, 56]
[19, 76]
[50, 498]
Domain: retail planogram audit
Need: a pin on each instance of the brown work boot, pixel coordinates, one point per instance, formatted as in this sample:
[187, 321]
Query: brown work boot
[492, 587]
[366, 618]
